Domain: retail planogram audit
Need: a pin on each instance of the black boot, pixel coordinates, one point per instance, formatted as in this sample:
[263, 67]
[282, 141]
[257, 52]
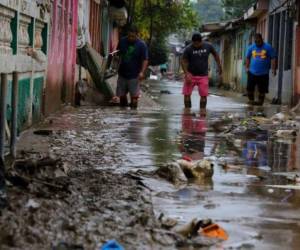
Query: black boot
[123, 101]
[187, 104]
[261, 99]
[251, 98]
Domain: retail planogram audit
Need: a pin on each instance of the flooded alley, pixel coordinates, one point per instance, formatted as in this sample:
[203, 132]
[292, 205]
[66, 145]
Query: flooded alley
[241, 197]
[106, 144]
[87, 175]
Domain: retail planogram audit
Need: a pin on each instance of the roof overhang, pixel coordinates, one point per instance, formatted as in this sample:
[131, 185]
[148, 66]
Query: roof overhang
[258, 9]
[213, 27]
[222, 26]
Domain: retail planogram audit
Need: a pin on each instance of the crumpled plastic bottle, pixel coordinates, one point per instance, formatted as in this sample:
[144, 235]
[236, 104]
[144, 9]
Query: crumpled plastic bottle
[112, 245]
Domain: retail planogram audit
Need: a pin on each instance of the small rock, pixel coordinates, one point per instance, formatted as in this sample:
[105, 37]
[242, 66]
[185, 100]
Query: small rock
[32, 204]
[171, 172]
[45, 132]
[189, 229]
[66, 246]
[200, 170]
[286, 133]
[167, 92]
[169, 223]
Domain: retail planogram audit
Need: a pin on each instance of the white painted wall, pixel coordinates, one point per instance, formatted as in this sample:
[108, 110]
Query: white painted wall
[287, 84]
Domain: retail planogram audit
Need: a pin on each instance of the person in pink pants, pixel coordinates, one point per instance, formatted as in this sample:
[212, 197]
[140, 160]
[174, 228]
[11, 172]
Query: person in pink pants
[195, 66]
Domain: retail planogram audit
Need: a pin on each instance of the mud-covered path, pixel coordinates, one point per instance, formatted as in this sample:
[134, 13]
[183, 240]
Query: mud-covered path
[239, 198]
[95, 196]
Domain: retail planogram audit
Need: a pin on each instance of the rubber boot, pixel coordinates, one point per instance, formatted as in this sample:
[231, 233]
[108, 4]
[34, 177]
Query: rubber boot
[123, 101]
[203, 103]
[187, 102]
[261, 99]
[250, 98]
[134, 103]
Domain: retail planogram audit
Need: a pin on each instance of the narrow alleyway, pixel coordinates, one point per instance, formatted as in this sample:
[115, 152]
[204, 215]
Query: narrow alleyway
[255, 215]
[106, 155]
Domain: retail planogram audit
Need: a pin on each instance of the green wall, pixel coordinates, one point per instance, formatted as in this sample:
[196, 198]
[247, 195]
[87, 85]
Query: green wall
[37, 99]
[24, 101]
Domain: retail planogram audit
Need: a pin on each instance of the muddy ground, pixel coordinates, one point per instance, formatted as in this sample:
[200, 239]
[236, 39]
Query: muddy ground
[76, 200]
[85, 176]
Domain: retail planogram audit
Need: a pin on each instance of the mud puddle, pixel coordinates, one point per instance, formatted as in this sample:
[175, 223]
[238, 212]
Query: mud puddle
[240, 197]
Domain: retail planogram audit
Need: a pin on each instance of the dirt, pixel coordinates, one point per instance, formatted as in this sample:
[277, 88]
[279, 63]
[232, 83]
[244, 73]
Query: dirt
[79, 201]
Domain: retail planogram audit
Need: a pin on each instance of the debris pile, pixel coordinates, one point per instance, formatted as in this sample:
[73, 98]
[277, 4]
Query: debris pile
[182, 170]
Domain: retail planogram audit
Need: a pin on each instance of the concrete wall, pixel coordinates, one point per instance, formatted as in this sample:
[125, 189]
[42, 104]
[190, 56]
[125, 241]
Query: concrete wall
[24, 24]
[281, 86]
[262, 25]
[247, 41]
[297, 59]
[232, 47]
[213, 74]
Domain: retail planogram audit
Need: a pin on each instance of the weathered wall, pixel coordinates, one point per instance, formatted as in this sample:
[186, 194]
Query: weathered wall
[227, 51]
[232, 47]
[62, 55]
[23, 24]
[96, 26]
[297, 59]
[282, 37]
[247, 40]
[213, 74]
[262, 25]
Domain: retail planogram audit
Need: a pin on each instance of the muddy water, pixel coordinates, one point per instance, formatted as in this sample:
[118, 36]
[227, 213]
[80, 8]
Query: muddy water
[255, 216]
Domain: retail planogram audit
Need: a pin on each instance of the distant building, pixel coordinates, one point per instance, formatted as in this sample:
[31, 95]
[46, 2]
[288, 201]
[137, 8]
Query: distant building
[278, 22]
[176, 47]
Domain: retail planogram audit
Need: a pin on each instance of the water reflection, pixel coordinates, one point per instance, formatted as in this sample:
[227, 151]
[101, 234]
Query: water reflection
[238, 198]
[255, 151]
[193, 134]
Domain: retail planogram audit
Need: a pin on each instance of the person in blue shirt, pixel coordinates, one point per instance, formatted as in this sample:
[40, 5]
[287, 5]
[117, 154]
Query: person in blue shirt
[134, 61]
[163, 68]
[261, 57]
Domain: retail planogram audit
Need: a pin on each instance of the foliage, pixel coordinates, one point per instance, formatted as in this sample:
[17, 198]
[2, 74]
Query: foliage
[158, 52]
[209, 10]
[235, 8]
[160, 18]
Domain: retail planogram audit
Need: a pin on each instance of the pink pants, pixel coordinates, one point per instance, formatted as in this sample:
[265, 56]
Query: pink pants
[200, 81]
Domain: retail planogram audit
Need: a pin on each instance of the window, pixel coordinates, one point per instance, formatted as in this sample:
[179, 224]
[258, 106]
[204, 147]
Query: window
[289, 43]
[275, 37]
[271, 22]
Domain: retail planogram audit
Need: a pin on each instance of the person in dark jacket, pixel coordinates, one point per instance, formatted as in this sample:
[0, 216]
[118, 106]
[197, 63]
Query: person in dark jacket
[134, 62]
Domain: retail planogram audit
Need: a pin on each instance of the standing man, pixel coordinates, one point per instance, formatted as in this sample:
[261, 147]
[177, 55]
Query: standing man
[134, 62]
[195, 66]
[260, 58]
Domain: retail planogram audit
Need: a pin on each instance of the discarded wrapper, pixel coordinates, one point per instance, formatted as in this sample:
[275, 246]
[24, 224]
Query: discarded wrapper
[214, 231]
